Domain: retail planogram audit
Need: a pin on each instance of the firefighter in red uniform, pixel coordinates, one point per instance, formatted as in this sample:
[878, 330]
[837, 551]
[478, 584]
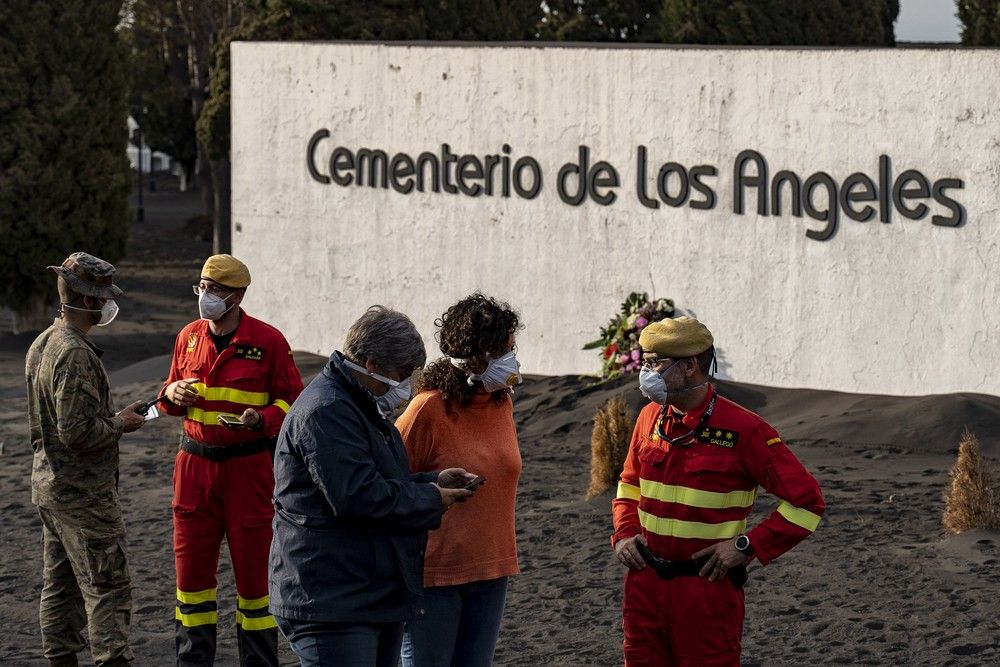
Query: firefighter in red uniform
[233, 379]
[688, 485]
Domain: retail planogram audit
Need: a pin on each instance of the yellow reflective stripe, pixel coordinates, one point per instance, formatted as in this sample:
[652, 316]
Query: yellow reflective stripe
[692, 529]
[630, 491]
[250, 605]
[194, 620]
[231, 395]
[262, 623]
[197, 597]
[685, 495]
[281, 404]
[798, 516]
[210, 418]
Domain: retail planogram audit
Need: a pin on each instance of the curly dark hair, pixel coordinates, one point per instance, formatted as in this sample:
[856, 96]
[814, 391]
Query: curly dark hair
[475, 328]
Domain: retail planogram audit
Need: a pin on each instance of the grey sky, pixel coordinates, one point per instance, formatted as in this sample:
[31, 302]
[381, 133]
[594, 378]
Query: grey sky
[927, 21]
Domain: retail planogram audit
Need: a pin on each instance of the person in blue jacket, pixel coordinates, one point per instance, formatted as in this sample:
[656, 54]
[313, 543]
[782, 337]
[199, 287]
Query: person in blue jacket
[351, 521]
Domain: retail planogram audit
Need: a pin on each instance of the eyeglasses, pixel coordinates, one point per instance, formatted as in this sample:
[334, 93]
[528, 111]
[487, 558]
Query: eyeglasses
[653, 362]
[217, 290]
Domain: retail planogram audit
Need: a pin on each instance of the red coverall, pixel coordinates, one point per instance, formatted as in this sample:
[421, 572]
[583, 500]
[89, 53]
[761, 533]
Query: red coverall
[227, 498]
[685, 497]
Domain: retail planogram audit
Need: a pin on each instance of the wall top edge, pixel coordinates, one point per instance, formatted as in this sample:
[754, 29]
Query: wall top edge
[617, 46]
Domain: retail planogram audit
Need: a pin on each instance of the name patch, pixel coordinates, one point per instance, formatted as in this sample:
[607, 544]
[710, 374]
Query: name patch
[719, 437]
[249, 353]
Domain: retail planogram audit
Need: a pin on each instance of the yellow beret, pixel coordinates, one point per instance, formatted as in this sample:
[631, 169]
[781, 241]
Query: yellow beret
[226, 270]
[676, 338]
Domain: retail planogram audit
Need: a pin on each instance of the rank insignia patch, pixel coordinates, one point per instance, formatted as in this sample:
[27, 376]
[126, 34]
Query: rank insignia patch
[192, 343]
[719, 437]
[249, 353]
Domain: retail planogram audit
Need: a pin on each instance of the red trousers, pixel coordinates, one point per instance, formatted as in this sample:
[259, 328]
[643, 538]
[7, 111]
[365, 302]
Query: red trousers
[214, 500]
[682, 622]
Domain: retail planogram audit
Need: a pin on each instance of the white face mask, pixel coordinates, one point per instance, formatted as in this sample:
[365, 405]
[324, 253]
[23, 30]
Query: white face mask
[501, 373]
[212, 307]
[398, 395]
[109, 311]
[654, 387]
[396, 398]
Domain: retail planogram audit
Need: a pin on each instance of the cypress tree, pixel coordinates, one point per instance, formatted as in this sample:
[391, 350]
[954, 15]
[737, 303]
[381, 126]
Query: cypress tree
[600, 21]
[779, 22]
[64, 175]
[980, 22]
[481, 20]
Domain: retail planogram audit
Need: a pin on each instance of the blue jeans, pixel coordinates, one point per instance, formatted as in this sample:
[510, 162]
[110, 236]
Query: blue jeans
[459, 628]
[342, 644]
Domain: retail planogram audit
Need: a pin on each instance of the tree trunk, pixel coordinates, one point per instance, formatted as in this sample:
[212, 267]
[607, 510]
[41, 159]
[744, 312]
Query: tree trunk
[36, 315]
[222, 239]
[205, 184]
[187, 174]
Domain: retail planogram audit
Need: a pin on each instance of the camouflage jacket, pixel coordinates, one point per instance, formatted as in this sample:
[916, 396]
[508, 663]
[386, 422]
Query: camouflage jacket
[74, 430]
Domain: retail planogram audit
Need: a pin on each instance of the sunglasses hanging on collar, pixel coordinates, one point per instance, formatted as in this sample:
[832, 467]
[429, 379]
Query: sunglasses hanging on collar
[686, 436]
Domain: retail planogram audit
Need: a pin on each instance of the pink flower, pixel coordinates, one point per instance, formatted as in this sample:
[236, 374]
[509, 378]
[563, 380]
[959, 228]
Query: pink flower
[636, 355]
[623, 359]
[640, 322]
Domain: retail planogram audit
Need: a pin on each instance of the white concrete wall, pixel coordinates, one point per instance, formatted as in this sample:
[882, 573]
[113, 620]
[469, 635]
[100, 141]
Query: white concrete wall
[905, 308]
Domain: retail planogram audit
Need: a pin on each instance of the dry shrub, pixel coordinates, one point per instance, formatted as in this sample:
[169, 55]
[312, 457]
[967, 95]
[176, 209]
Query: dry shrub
[609, 445]
[971, 502]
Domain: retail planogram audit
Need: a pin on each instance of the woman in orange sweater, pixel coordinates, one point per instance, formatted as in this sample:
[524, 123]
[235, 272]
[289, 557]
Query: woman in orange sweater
[463, 416]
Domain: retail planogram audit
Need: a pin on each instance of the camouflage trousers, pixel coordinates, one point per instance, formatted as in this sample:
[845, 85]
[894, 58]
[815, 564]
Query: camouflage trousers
[85, 583]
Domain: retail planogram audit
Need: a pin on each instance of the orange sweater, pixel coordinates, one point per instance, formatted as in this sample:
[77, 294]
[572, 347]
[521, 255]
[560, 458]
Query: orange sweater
[476, 539]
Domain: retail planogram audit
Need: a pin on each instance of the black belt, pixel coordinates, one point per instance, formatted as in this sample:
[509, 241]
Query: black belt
[224, 452]
[669, 569]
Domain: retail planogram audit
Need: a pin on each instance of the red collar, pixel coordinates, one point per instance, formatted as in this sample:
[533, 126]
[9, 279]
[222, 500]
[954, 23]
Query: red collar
[239, 335]
[691, 418]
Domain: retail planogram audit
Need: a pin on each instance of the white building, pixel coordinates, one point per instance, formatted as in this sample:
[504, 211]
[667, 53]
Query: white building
[152, 161]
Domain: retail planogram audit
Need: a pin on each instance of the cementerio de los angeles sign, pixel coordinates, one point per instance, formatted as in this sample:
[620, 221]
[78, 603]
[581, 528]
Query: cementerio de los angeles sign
[820, 196]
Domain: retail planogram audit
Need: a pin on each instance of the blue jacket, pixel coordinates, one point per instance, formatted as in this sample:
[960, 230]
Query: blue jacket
[351, 522]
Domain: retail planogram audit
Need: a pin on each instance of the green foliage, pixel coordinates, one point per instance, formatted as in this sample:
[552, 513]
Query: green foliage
[619, 341]
[384, 20]
[160, 98]
[64, 176]
[980, 22]
[480, 20]
[779, 22]
[600, 21]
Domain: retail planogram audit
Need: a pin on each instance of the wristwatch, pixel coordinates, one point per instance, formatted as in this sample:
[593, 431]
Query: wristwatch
[743, 545]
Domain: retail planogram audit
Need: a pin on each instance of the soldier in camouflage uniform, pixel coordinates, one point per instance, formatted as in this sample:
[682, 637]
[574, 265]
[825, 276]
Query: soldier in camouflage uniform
[74, 434]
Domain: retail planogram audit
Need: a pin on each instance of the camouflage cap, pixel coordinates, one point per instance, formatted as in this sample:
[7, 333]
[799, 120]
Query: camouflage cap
[89, 275]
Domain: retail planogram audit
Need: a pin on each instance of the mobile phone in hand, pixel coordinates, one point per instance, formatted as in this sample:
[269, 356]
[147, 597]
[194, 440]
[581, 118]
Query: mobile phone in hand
[231, 421]
[145, 407]
[475, 484]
